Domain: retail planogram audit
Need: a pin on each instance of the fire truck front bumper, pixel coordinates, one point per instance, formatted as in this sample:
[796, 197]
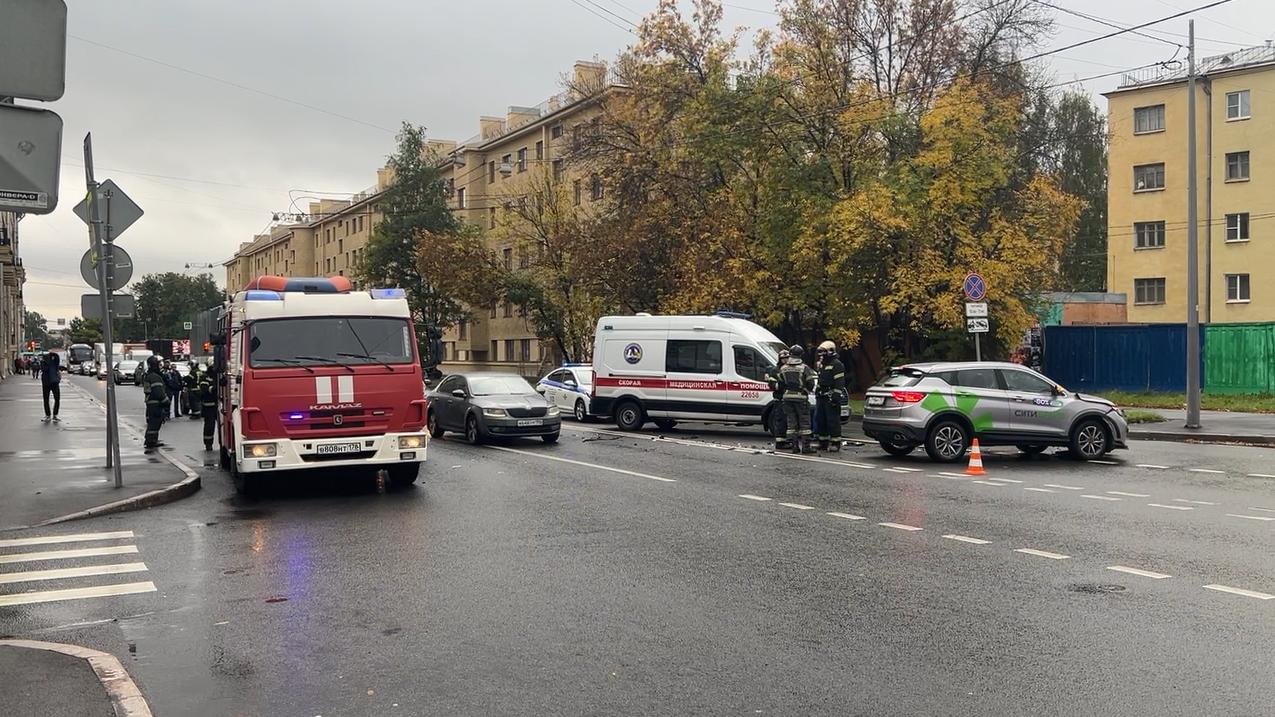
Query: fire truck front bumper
[380, 451]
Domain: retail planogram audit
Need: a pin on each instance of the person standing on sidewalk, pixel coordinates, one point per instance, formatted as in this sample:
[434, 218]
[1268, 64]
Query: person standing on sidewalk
[208, 406]
[50, 380]
[33, 363]
[173, 382]
[156, 393]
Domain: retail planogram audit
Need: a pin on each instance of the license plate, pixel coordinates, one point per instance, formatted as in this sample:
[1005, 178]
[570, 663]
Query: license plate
[331, 448]
[531, 422]
[876, 400]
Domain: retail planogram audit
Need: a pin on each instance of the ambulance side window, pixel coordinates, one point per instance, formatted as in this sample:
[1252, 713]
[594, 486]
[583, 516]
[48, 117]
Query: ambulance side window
[750, 364]
[693, 357]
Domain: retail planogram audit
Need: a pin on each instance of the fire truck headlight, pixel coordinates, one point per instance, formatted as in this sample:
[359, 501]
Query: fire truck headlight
[405, 442]
[261, 450]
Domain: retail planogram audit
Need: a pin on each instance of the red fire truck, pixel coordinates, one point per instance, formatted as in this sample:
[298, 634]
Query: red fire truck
[316, 375]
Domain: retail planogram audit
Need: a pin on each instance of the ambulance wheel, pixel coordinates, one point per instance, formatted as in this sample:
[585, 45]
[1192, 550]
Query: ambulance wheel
[946, 441]
[629, 416]
[665, 424]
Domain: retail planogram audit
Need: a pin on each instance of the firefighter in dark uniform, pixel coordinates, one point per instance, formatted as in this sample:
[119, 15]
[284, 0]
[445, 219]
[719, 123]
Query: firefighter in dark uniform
[190, 391]
[778, 423]
[155, 389]
[797, 380]
[830, 396]
[207, 393]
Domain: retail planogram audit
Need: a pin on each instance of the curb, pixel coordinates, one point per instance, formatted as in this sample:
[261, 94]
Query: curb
[125, 697]
[1203, 438]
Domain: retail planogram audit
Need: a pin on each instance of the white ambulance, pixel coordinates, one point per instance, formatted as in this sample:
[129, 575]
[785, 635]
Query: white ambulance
[690, 368]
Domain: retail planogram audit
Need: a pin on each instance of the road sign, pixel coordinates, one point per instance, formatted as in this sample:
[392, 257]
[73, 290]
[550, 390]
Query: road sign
[188, 325]
[123, 306]
[33, 50]
[30, 157]
[119, 268]
[118, 212]
[974, 286]
[977, 326]
[976, 310]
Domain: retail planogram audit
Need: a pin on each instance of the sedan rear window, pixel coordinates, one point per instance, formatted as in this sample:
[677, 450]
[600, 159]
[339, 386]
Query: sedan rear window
[902, 379]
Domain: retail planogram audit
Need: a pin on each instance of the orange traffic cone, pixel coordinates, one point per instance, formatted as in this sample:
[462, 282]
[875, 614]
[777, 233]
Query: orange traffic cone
[976, 461]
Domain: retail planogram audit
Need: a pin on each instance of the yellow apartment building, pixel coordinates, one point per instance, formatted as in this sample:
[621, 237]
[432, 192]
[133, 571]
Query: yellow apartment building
[1147, 190]
[12, 278]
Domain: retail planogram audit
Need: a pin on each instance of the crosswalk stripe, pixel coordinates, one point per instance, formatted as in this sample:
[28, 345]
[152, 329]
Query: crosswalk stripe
[65, 554]
[62, 573]
[77, 593]
[76, 538]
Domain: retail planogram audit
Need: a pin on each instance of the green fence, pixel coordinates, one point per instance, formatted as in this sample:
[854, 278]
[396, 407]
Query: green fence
[1239, 358]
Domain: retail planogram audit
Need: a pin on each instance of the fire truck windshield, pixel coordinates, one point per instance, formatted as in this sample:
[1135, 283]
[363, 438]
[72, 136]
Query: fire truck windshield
[326, 340]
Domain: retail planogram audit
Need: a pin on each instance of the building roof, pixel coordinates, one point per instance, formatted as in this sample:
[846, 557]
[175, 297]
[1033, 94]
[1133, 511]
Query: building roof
[1168, 73]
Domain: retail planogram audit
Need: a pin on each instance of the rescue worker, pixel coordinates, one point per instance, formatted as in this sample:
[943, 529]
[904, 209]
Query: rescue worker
[797, 380]
[207, 397]
[190, 391]
[173, 382]
[778, 423]
[830, 396]
[155, 390]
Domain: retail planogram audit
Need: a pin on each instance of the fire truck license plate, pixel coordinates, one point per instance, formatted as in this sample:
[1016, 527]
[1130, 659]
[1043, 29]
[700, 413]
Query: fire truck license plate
[531, 422]
[330, 448]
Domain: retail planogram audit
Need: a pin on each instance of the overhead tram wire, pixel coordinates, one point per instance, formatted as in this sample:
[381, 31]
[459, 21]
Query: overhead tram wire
[609, 21]
[606, 10]
[1108, 23]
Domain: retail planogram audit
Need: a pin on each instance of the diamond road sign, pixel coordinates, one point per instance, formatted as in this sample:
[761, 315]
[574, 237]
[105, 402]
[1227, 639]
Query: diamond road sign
[30, 158]
[118, 212]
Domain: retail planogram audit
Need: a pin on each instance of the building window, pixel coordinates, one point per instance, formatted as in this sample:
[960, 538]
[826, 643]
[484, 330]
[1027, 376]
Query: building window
[595, 187]
[522, 159]
[451, 185]
[557, 169]
[1237, 227]
[555, 131]
[493, 310]
[508, 255]
[463, 330]
[575, 189]
[540, 150]
[509, 349]
[1148, 291]
[1236, 166]
[495, 356]
[1237, 289]
[508, 309]
[1148, 235]
[506, 164]
[526, 349]
[1148, 177]
[491, 217]
[1237, 107]
[491, 171]
[460, 198]
[524, 260]
[1148, 119]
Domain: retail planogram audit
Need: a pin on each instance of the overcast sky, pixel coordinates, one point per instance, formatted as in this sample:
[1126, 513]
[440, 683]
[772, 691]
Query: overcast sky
[210, 162]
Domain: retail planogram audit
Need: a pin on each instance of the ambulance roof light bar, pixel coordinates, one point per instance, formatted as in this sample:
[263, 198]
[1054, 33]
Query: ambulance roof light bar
[307, 285]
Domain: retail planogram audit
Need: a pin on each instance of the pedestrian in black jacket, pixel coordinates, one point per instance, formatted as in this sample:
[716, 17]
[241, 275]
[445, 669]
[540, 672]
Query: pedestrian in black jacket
[50, 382]
[173, 382]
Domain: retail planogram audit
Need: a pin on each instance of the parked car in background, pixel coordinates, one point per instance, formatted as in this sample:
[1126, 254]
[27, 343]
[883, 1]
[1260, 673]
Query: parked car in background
[483, 406]
[944, 406]
[126, 371]
[86, 368]
[570, 388]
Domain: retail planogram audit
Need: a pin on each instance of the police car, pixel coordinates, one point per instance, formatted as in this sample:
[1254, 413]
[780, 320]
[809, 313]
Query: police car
[569, 388]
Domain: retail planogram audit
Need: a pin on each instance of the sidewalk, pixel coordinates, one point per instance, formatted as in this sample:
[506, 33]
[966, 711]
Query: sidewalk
[48, 679]
[50, 471]
[1215, 427]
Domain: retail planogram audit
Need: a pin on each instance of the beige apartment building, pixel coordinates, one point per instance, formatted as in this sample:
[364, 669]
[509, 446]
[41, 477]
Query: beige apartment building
[1147, 190]
[12, 277]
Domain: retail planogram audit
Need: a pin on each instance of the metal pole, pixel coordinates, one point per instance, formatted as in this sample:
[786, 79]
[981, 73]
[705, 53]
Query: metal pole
[1192, 251]
[978, 348]
[100, 248]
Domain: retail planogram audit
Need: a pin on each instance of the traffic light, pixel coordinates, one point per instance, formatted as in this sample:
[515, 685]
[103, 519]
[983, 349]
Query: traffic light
[30, 346]
[207, 347]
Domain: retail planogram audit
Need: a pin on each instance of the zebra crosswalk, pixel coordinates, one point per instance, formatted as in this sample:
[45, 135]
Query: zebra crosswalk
[35, 569]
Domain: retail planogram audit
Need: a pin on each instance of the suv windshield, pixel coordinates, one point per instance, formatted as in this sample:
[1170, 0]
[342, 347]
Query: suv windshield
[499, 386]
[328, 340]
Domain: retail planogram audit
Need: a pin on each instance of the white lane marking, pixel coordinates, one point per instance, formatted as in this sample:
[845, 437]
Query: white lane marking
[1105, 463]
[1260, 475]
[907, 470]
[542, 456]
[986, 483]
[1205, 470]
[1041, 490]
[954, 475]
[749, 496]
[1004, 480]
[1135, 571]
[1151, 465]
[61, 573]
[957, 477]
[1065, 487]
[967, 539]
[847, 516]
[895, 470]
[1240, 591]
[1042, 553]
[1099, 497]
[1263, 518]
[1170, 507]
[798, 506]
[1264, 510]
[1193, 502]
[76, 538]
[77, 593]
[1128, 495]
[899, 526]
[64, 554]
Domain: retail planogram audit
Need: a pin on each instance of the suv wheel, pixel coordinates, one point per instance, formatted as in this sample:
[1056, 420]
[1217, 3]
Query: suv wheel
[628, 416]
[897, 449]
[1031, 449]
[946, 441]
[1089, 439]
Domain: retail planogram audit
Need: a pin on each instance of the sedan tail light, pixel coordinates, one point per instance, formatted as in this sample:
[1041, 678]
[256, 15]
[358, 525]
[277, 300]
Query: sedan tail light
[908, 396]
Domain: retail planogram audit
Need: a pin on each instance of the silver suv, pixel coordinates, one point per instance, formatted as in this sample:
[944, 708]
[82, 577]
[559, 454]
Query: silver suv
[944, 405]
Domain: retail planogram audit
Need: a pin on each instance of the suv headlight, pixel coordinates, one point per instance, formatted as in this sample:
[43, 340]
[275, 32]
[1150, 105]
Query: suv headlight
[406, 442]
[495, 412]
[261, 450]
[553, 411]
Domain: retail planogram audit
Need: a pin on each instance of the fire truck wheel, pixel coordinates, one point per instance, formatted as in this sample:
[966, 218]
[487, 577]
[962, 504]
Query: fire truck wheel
[403, 475]
[473, 434]
[245, 483]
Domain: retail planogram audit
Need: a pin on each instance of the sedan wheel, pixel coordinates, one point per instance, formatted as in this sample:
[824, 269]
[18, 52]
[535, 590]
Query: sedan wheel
[580, 413]
[435, 430]
[472, 434]
[946, 441]
[1089, 440]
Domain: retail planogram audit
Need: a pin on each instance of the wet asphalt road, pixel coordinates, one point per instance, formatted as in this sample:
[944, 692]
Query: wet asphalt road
[617, 574]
